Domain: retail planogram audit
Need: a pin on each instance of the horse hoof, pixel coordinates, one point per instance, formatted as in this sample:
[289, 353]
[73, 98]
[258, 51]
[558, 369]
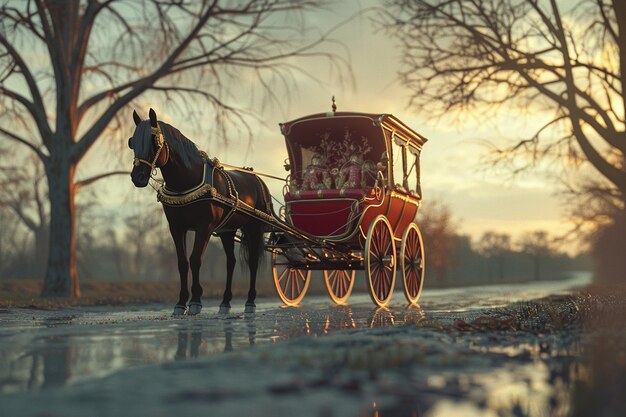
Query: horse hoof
[194, 308]
[250, 308]
[224, 309]
[180, 310]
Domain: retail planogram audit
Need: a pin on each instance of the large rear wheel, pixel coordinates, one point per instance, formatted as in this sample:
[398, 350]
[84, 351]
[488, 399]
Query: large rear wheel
[339, 283]
[412, 263]
[380, 261]
[291, 283]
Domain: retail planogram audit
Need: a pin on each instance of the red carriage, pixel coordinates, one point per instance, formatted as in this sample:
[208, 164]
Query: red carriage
[350, 203]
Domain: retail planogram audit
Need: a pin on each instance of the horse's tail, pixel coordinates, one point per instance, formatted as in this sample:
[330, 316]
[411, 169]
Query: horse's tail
[252, 244]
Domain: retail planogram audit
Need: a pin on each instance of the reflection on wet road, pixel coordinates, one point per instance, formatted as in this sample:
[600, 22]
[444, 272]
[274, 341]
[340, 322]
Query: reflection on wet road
[41, 349]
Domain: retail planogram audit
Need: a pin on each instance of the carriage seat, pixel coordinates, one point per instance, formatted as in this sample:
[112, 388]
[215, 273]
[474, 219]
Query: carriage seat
[354, 193]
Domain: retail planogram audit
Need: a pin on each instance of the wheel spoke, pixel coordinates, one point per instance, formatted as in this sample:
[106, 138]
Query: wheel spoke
[383, 285]
[381, 240]
[375, 268]
[375, 280]
[287, 283]
[300, 275]
[375, 250]
[387, 247]
[282, 275]
[342, 286]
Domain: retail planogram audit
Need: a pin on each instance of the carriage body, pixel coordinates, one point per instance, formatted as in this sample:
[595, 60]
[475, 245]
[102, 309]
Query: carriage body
[349, 168]
[354, 184]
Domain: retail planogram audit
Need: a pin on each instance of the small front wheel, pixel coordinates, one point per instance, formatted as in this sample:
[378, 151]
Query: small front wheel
[291, 283]
[339, 283]
[380, 261]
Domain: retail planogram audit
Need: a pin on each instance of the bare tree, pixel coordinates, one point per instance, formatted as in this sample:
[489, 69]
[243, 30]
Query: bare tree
[68, 68]
[24, 194]
[552, 60]
[495, 246]
[538, 246]
[138, 228]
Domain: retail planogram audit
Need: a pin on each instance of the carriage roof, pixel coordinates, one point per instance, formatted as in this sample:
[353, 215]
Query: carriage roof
[379, 128]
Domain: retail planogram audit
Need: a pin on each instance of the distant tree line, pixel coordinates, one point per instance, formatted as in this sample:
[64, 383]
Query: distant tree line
[139, 248]
[455, 259]
[131, 248]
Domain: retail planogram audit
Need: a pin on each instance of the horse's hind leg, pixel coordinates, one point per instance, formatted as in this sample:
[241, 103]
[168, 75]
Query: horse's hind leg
[195, 261]
[228, 241]
[183, 269]
[255, 250]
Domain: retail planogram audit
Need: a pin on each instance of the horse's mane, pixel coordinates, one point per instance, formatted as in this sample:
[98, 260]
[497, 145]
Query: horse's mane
[181, 147]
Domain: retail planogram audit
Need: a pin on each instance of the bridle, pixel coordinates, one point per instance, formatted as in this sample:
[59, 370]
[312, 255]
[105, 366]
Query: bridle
[160, 142]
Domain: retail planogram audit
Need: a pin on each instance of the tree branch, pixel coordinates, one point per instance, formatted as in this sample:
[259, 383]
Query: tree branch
[23, 141]
[37, 110]
[88, 181]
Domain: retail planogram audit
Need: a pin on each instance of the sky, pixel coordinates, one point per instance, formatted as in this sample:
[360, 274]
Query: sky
[453, 168]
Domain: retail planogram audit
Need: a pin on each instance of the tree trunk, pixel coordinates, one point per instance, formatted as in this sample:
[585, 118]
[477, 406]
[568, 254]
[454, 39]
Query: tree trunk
[608, 251]
[61, 278]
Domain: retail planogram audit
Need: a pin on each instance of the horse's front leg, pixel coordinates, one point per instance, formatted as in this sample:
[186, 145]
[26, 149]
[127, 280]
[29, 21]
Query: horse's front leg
[179, 237]
[195, 261]
[228, 242]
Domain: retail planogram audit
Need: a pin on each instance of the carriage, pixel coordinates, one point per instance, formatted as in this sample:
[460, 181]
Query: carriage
[351, 198]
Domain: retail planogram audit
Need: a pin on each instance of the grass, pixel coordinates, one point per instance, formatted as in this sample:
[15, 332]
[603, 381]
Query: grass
[27, 293]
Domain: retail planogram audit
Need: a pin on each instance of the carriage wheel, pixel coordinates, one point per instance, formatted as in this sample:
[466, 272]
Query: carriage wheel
[339, 283]
[412, 263]
[380, 260]
[291, 283]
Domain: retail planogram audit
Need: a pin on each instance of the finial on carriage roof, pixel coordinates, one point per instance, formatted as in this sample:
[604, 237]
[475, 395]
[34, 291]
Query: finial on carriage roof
[334, 105]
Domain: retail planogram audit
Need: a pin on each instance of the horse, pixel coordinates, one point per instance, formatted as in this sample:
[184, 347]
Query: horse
[199, 195]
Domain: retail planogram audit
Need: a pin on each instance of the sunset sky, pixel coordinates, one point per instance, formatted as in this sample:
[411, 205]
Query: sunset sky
[453, 167]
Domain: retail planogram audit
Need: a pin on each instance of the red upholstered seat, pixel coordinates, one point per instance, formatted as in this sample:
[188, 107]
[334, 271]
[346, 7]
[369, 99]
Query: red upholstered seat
[325, 213]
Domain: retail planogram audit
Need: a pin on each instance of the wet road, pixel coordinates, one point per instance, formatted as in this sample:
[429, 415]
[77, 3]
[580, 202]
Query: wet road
[50, 349]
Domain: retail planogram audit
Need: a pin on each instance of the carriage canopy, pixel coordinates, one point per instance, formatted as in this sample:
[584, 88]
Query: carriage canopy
[337, 138]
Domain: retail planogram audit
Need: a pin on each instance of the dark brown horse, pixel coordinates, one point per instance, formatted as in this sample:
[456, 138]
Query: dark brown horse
[189, 203]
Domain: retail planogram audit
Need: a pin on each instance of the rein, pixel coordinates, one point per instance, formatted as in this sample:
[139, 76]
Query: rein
[249, 171]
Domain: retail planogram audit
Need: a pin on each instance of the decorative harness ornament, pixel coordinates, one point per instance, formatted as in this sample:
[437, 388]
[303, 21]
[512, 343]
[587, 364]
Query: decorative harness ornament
[181, 198]
[206, 190]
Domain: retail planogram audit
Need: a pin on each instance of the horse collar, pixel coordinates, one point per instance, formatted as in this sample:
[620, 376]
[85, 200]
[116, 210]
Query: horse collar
[199, 192]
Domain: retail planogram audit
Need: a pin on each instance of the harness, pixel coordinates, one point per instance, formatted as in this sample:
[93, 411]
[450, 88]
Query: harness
[206, 190]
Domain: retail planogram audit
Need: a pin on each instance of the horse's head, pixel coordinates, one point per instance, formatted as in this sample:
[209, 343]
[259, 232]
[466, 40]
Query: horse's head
[151, 151]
